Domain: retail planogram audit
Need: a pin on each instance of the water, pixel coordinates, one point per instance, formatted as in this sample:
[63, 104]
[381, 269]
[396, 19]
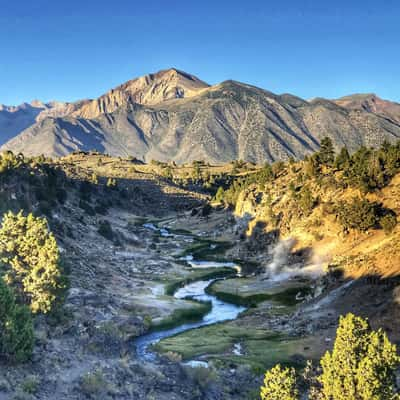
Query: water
[220, 310]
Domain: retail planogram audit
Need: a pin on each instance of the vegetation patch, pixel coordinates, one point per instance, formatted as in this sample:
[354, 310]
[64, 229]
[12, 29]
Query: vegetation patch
[287, 296]
[198, 275]
[205, 249]
[260, 348]
[183, 315]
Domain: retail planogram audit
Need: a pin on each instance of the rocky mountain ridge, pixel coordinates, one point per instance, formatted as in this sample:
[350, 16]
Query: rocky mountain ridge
[172, 115]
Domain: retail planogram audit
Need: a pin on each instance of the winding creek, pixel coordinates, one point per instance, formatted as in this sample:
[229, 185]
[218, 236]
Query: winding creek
[220, 310]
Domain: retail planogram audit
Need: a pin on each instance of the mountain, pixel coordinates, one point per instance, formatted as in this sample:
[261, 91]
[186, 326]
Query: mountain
[371, 103]
[15, 119]
[149, 90]
[172, 115]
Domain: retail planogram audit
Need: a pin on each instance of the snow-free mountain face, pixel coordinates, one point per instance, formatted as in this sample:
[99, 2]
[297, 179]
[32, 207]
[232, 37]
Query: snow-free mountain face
[15, 119]
[172, 115]
[372, 103]
[148, 90]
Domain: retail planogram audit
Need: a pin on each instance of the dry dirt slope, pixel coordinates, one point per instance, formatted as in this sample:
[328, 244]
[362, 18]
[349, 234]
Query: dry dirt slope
[359, 254]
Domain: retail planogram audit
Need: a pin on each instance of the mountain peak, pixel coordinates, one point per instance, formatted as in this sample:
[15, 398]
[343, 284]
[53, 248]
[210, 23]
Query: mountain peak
[149, 90]
[370, 102]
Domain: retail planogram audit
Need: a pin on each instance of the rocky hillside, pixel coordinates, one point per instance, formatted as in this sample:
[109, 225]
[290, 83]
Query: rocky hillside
[15, 119]
[172, 115]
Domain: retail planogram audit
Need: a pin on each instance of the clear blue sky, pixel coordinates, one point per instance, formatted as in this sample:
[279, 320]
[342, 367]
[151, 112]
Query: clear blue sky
[69, 49]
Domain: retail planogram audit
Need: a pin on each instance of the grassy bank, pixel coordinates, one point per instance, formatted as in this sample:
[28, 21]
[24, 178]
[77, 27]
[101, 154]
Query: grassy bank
[286, 297]
[259, 348]
[183, 315]
[205, 249]
[198, 275]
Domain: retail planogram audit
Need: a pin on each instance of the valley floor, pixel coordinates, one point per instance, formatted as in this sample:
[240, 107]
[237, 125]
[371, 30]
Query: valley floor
[123, 288]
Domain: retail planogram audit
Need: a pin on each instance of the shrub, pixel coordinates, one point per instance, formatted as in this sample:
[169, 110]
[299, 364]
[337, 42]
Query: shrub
[219, 196]
[359, 214]
[105, 230]
[306, 200]
[31, 384]
[31, 259]
[16, 327]
[280, 384]
[388, 222]
[94, 384]
[111, 183]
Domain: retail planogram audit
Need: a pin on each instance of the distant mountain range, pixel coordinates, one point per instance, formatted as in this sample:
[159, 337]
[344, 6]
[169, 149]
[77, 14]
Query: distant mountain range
[172, 115]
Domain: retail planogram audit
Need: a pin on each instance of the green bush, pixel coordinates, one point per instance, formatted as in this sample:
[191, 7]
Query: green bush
[31, 260]
[16, 327]
[388, 222]
[280, 384]
[359, 214]
[306, 200]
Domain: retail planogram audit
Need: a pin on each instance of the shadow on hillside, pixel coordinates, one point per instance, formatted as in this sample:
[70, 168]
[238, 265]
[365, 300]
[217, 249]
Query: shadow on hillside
[44, 188]
[374, 297]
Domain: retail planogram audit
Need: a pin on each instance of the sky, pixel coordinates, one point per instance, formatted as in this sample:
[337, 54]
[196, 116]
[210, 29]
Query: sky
[68, 49]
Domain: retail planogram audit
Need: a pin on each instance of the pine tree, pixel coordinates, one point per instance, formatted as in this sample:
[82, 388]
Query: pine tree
[342, 160]
[326, 153]
[31, 257]
[361, 365]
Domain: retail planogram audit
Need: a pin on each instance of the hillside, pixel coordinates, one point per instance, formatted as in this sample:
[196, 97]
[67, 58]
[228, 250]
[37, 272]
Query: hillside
[174, 116]
[132, 236]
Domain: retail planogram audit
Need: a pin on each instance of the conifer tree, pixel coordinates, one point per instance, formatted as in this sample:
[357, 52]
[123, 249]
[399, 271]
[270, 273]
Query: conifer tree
[326, 153]
[361, 365]
[31, 259]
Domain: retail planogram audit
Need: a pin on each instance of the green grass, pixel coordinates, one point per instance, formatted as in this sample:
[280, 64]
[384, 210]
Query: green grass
[202, 250]
[198, 275]
[261, 348]
[183, 315]
[286, 297]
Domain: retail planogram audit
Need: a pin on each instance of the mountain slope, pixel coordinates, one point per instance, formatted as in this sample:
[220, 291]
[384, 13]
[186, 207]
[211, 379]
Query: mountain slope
[371, 103]
[15, 119]
[172, 115]
[149, 90]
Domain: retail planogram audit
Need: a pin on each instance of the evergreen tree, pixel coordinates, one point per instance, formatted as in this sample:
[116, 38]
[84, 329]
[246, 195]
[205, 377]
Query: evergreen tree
[361, 365]
[359, 214]
[342, 160]
[326, 154]
[31, 259]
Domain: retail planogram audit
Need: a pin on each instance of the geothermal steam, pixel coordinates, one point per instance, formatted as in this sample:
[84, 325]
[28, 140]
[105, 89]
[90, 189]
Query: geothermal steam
[279, 268]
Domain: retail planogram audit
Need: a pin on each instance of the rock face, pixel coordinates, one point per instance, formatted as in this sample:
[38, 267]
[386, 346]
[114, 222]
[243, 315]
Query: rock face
[172, 115]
